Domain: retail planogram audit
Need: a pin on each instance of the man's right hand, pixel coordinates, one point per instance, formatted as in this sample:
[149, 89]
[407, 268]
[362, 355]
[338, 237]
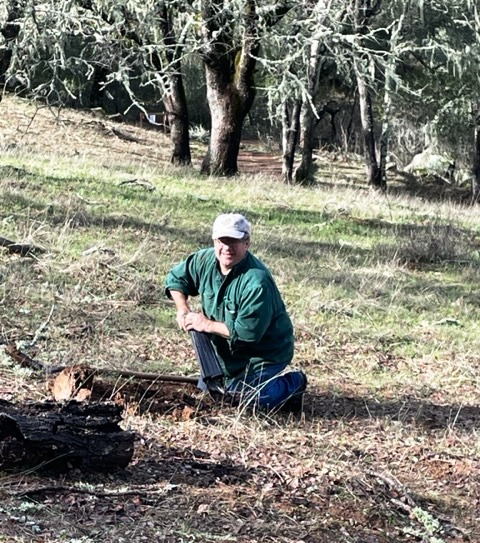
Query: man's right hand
[181, 317]
[183, 309]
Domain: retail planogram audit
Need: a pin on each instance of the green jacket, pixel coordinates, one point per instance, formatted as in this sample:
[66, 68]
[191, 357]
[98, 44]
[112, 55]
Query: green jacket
[247, 300]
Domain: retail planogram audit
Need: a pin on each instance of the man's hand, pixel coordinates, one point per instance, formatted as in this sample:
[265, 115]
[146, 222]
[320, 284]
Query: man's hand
[183, 308]
[200, 323]
[196, 321]
[181, 314]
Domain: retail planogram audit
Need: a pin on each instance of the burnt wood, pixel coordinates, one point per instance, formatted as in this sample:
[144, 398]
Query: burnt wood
[59, 437]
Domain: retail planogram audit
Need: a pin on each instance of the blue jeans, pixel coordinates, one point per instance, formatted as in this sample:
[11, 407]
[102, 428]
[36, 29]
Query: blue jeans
[268, 387]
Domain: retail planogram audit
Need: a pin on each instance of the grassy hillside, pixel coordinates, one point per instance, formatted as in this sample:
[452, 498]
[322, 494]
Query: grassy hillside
[383, 292]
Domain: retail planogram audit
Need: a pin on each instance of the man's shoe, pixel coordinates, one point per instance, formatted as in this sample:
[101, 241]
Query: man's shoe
[294, 404]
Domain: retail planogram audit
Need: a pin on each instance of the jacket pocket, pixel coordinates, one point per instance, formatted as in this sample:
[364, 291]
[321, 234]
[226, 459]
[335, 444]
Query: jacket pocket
[230, 314]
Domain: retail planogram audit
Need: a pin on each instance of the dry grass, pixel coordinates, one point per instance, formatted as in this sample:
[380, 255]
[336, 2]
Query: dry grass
[384, 296]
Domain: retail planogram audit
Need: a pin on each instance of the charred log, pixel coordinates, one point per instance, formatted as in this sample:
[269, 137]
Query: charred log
[49, 436]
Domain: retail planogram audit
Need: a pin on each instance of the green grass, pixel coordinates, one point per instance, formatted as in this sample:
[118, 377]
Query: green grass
[383, 292]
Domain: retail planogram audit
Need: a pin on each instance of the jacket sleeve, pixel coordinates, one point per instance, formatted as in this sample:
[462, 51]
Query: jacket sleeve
[182, 277]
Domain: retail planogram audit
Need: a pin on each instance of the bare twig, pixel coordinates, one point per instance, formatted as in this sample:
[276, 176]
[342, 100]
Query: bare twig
[99, 493]
[41, 328]
[125, 135]
[140, 183]
[408, 504]
[394, 484]
[23, 359]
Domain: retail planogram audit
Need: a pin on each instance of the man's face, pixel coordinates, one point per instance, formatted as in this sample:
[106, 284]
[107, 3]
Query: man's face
[230, 251]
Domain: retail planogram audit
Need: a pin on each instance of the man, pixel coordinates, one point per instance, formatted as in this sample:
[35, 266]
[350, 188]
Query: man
[243, 314]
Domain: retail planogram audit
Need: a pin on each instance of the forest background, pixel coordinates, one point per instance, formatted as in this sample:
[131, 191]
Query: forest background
[387, 79]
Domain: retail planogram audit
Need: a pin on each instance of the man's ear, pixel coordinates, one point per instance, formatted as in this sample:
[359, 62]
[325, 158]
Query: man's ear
[248, 243]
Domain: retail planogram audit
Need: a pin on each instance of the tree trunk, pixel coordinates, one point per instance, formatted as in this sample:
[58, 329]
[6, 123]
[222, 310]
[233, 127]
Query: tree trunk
[175, 100]
[384, 139]
[387, 106]
[476, 164]
[10, 32]
[230, 83]
[290, 137]
[387, 99]
[304, 173]
[177, 114]
[166, 62]
[374, 174]
[97, 92]
[59, 437]
[332, 109]
[227, 112]
[20, 248]
[364, 10]
[350, 134]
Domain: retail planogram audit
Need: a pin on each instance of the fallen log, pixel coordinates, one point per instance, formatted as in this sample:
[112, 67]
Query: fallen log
[50, 436]
[80, 383]
[73, 383]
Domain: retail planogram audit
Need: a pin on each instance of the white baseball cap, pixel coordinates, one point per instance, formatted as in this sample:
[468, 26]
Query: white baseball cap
[231, 225]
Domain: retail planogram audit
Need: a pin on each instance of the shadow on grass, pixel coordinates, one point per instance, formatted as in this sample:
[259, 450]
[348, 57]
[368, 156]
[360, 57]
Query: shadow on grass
[404, 244]
[188, 467]
[177, 403]
[430, 188]
[407, 410]
[435, 242]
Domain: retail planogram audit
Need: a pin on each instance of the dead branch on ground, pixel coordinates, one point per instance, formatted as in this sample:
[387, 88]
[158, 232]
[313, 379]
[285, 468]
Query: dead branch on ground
[405, 501]
[31, 492]
[19, 248]
[27, 362]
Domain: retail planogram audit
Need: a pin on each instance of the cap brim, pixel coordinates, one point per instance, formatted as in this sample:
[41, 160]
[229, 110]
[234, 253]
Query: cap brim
[236, 234]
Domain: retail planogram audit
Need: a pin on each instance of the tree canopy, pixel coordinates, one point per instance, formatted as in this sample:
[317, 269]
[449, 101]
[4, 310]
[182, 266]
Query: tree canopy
[382, 77]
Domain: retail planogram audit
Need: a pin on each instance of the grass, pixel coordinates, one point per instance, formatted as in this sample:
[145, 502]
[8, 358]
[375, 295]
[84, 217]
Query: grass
[383, 292]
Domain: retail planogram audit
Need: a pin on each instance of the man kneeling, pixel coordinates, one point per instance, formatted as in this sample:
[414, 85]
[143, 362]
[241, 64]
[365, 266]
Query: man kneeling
[242, 313]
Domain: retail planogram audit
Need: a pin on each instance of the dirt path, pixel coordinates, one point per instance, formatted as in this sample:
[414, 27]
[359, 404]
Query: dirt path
[253, 160]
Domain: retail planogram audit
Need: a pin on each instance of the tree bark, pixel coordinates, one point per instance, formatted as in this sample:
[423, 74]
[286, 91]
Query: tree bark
[230, 83]
[166, 62]
[374, 174]
[10, 32]
[476, 163]
[175, 100]
[97, 92]
[60, 437]
[26, 361]
[385, 133]
[20, 248]
[227, 111]
[290, 137]
[364, 9]
[304, 173]
[387, 99]
[177, 114]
